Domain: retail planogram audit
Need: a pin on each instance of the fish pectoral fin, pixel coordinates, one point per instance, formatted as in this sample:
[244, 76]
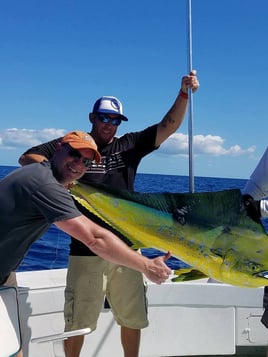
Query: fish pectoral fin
[187, 274]
[137, 245]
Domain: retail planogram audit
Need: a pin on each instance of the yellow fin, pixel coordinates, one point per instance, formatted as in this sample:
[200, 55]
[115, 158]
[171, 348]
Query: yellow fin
[187, 274]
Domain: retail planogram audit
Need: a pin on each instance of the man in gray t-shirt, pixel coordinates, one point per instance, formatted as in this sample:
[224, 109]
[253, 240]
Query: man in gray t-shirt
[35, 196]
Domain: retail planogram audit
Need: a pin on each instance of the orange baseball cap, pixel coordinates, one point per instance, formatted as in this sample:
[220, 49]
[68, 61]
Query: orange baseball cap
[81, 140]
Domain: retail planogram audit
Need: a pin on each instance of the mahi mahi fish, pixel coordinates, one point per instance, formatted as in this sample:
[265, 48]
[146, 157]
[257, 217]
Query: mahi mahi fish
[209, 231]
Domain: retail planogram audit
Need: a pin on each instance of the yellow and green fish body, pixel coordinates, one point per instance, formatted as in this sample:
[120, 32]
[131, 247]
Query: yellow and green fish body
[208, 231]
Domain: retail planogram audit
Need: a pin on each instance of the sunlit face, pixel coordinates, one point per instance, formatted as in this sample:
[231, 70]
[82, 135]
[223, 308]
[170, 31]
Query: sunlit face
[71, 164]
[104, 127]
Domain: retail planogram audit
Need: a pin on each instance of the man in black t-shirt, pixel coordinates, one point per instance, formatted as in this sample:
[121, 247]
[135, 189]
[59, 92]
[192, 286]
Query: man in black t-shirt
[124, 288]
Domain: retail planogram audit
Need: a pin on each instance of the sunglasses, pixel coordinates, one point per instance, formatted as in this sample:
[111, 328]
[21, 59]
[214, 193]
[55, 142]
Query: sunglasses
[77, 155]
[105, 119]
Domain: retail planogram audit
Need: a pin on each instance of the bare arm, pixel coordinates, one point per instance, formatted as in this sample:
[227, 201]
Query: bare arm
[105, 244]
[174, 117]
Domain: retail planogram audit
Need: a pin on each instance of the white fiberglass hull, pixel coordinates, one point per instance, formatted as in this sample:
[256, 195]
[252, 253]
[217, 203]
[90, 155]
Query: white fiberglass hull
[194, 318]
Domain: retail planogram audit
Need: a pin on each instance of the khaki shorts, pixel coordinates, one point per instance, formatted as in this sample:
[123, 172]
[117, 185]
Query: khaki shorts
[89, 279]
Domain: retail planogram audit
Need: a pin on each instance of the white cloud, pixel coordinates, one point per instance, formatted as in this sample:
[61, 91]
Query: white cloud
[177, 144]
[13, 138]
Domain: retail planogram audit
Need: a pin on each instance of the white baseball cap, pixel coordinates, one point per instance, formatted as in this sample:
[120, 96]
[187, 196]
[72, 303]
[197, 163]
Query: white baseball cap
[109, 105]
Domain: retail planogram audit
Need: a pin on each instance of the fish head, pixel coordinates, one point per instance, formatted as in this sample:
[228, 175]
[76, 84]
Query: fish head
[245, 270]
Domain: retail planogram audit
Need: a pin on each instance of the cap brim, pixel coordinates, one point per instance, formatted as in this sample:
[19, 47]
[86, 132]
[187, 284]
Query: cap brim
[122, 117]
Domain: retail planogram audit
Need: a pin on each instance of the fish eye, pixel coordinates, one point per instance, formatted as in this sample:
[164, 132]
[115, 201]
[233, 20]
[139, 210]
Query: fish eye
[253, 266]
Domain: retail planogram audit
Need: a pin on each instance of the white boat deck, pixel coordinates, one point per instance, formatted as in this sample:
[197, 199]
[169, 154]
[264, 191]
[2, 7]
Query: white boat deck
[186, 319]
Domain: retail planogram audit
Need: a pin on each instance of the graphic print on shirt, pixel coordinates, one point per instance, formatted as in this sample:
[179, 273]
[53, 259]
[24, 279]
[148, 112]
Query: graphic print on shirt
[112, 162]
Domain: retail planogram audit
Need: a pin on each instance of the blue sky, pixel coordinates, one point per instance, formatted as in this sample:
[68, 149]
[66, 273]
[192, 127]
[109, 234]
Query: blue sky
[58, 57]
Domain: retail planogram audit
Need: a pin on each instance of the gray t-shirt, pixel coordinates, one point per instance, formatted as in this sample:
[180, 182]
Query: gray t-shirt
[31, 199]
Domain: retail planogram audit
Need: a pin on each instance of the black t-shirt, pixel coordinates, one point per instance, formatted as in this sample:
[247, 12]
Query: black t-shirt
[118, 168]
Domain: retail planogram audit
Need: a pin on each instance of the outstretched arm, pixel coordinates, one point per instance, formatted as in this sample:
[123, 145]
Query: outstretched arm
[105, 244]
[174, 117]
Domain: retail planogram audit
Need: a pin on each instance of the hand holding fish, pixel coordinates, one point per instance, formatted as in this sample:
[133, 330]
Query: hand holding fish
[190, 81]
[156, 270]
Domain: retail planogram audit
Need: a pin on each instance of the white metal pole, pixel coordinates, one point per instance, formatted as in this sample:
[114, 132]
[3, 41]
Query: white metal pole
[190, 94]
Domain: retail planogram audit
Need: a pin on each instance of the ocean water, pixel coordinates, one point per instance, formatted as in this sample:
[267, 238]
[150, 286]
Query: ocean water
[51, 250]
